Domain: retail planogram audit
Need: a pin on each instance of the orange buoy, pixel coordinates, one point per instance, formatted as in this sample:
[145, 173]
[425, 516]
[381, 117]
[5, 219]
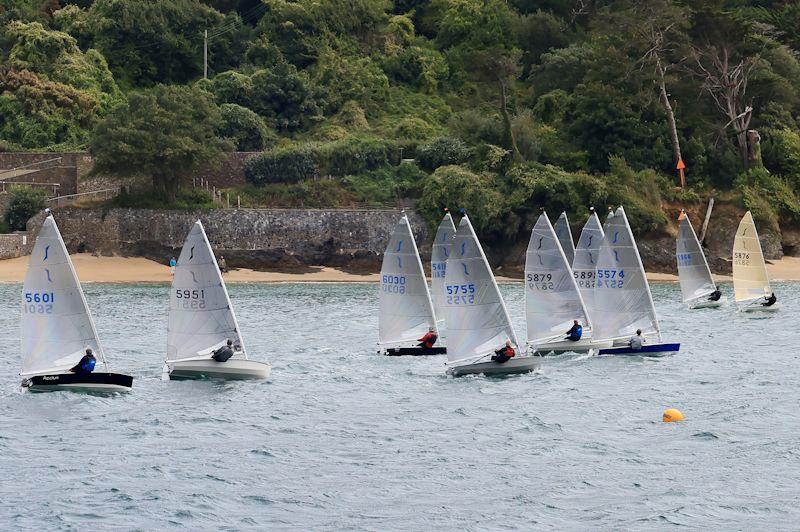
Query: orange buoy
[671, 415]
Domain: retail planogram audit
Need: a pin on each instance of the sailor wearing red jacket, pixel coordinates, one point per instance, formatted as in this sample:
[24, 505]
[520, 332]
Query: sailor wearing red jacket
[503, 354]
[429, 339]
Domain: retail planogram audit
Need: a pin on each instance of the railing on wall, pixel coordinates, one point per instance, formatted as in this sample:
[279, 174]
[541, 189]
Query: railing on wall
[25, 169]
[95, 195]
[5, 185]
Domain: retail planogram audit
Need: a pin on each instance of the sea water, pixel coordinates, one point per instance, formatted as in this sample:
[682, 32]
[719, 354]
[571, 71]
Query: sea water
[341, 438]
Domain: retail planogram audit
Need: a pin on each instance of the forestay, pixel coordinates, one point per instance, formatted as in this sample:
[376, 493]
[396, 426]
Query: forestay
[584, 265]
[622, 295]
[439, 254]
[201, 317]
[564, 235]
[552, 299]
[476, 316]
[750, 279]
[56, 324]
[405, 307]
[693, 272]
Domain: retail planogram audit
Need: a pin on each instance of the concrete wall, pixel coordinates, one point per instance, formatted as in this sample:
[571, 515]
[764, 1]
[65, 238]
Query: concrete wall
[254, 238]
[15, 245]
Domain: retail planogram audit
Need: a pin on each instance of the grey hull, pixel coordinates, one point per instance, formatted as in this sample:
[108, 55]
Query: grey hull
[513, 366]
[233, 369]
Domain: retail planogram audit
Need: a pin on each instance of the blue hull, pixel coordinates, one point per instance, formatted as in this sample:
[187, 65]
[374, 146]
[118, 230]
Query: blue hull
[646, 350]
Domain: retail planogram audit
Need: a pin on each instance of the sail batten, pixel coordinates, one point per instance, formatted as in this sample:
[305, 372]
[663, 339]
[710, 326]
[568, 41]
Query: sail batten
[201, 316]
[439, 253]
[693, 272]
[750, 279]
[622, 294]
[56, 323]
[552, 298]
[477, 318]
[405, 307]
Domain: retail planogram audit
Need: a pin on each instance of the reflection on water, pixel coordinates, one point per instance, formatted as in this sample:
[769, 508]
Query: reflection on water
[342, 438]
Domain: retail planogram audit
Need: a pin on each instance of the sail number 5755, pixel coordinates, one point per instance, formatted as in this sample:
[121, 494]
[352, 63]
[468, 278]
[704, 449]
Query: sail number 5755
[460, 294]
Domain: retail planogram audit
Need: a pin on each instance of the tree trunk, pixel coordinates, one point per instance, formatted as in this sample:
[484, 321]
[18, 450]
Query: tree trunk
[172, 189]
[741, 144]
[754, 149]
[512, 140]
[664, 97]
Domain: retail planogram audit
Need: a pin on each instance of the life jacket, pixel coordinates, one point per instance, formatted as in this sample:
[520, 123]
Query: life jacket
[429, 339]
[509, 352]
[88, 363]
[576, 332]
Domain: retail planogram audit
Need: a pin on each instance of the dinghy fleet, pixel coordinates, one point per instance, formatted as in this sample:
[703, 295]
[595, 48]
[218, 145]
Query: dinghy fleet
[592, 297]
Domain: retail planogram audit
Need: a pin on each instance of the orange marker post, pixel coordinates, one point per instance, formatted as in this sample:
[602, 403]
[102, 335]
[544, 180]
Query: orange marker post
[681, 167]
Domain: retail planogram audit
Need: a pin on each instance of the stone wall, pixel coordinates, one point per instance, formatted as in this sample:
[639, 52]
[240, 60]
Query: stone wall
[65, 176]
[254, 238]
[228, 174]
[82, 161]
[15, 245]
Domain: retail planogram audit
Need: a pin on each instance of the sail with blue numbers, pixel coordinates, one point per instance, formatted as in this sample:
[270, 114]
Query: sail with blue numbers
[405, 307]
[439, 253]
[622, 298]
[564, 235]
[475, 313]
[750, 279]
[201, 317]
[693, 272]
[584, 266]
[56, 324]
[552, 299]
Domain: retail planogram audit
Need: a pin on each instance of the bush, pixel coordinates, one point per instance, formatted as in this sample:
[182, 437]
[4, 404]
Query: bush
[441, 152]
[282, 165]
[781, 153]
[413, 129]
[244, 128]
[24, 202]
[769, 197]
[386, 185]
[355, 155]
[185, 199]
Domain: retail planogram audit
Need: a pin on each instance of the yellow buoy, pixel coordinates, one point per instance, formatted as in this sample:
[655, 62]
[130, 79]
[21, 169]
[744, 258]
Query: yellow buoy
[672, 414]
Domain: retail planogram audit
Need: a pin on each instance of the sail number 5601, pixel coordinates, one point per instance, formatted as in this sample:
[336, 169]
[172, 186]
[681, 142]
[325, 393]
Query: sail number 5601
[36, 303]
[460, 294]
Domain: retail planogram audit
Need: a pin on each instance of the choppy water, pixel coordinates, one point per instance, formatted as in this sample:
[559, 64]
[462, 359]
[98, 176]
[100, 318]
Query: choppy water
[340, 438]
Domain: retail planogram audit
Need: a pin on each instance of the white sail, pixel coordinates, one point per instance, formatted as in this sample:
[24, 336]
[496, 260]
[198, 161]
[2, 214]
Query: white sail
[475, 313]
[56, 324]
[564, 235]
[750, 279]
[201, 317]
[693, 272]
[439, 253]
[622, 295]
[405, 307]
[584, 265]
[552, 299]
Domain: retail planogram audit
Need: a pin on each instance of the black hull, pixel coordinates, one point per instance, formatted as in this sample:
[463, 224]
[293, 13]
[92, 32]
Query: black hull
[415, 351]
[93, 382]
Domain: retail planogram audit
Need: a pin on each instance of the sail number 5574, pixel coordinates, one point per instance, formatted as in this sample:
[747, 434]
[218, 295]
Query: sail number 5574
[610, 278]
[460, 294]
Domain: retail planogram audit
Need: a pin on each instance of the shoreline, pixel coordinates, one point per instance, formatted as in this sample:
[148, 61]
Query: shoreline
[136, 270]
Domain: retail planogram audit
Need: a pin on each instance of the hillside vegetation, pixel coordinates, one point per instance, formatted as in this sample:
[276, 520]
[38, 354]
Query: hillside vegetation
[504, 106]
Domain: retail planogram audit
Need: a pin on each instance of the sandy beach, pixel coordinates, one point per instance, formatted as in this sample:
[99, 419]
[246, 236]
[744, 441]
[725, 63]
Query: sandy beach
[93, 269]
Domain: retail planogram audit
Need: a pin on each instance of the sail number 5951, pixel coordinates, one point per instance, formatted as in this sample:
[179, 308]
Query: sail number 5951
[460, 294]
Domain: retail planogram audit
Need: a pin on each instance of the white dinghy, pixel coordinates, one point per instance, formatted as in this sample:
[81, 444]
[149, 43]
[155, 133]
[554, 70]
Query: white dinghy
[622, 294]
[56, 325]
[201, 319]
[564, 235]
[552, 298]
[439, 254]
[697, 284]
[405, 307]
[750, 281]
[475, 313]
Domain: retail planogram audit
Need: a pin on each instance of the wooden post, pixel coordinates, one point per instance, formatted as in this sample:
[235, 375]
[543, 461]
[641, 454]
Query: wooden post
[705, 222]
[238, 202]
[228, 199]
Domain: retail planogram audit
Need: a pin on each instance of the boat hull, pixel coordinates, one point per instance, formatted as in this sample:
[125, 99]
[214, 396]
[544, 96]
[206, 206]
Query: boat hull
[568, 346]
[694, 305]
[490, 368]
[96, 382]
[232, 369]
[414, 351]
[760, 308]
[650, 350]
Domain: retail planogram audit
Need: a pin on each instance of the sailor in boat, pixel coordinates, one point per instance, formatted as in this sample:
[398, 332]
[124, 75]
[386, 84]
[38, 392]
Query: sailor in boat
[86, 364]
[503, 354]
[715, 295]
[769, 301]
[575, 333]
[223, 353]
[636, 341]
[429, 339]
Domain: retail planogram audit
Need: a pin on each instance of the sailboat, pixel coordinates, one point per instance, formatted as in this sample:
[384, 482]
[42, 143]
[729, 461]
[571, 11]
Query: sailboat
[475, 313]
[693, 272]
[750, 281]
[552, 298]
[564, 235]
[622, 294]
[57, 327]
[406, 310]
[439, 253]
[201, 319]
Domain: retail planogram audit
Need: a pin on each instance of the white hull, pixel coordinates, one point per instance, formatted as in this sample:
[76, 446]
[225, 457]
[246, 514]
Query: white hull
[759, 308]
[514, 365]
[568, 346]
[698, 304]
[207, 368]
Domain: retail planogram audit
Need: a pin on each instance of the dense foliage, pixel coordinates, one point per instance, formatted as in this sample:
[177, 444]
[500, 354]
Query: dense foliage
[23, 203]
[505, 105]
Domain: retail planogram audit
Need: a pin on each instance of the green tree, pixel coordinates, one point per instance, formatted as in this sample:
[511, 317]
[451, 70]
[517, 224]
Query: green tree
[24, 202]
[244, 128]
[166, 132]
